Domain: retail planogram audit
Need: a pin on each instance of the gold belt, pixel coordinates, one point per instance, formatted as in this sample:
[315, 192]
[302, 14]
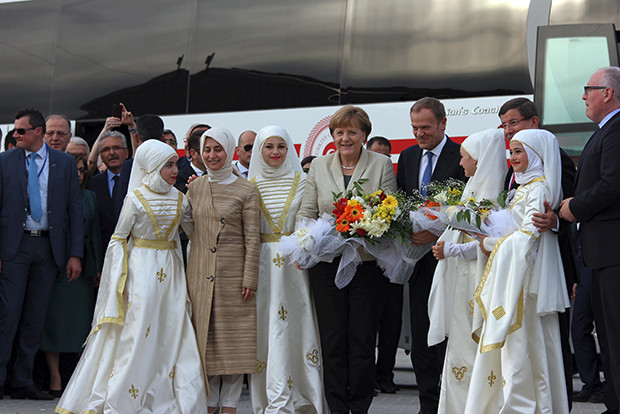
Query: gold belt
[155, 244]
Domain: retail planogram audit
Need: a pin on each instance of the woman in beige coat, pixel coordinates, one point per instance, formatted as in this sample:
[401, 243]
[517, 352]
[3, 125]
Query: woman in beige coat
[222, 270]
[347, 322]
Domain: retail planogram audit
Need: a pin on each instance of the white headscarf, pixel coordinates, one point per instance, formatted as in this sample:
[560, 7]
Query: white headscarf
[488, 148]
[258, 165]
[148, 161]
[224, 175]
[543, 159]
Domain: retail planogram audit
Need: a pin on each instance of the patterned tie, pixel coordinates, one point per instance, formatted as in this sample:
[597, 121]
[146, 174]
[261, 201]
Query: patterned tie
[33, 189]
[426, 178]
[115, 178]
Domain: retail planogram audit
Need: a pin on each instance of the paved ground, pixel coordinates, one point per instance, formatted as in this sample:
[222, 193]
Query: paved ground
[403, 402]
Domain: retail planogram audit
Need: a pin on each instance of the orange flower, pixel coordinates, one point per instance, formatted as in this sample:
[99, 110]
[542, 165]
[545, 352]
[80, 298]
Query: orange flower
[354, 211]
[343, 224]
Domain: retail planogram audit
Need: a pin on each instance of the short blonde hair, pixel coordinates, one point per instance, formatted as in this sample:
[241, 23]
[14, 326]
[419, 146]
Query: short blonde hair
[350, 116]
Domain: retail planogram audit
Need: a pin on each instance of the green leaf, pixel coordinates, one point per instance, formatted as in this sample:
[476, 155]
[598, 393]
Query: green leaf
[478, 221]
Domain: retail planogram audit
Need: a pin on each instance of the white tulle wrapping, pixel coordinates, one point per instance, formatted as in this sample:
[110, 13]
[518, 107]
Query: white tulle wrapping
[497, 224]
[317, 240]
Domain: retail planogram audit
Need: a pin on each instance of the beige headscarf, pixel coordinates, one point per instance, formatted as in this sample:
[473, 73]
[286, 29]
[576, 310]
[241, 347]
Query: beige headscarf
[224, 175]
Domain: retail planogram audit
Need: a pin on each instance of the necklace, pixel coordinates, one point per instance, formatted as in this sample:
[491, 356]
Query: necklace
[348, 168]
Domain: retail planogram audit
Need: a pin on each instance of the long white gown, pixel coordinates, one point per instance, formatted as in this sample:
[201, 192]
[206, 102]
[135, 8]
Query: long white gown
[289, 377]
[519, 365]
[141, 355]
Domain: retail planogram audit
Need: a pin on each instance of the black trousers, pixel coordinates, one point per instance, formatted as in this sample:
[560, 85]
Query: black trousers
[347, 325]
[606, 307]
[26, 283]
[390, 315]
[427, 361]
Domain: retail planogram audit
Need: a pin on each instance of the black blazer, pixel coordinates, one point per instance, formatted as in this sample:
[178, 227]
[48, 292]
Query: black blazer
[123, 185]
[407, 180]
[184, 174]
[566, 237]
[597, 196]
[407, 175]
[108, 216]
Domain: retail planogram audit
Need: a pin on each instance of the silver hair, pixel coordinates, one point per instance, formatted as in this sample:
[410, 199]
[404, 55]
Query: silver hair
[611, 79]
[114, 134]
[80, 141]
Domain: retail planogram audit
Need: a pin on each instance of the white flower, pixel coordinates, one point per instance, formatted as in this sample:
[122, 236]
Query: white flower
[442, 198]
[303, 237]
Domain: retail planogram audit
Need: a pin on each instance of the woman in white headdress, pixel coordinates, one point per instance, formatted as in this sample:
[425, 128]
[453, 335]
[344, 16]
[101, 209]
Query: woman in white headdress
[289, 377]
[518, 368]
[222, 270]
[142, 354]
[451, 302]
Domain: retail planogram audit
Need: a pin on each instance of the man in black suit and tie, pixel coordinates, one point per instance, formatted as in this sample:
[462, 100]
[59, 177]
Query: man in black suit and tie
[596, 206]
[113, 151]
[435, 158]
[196, 166]
[518, 114]
[41, 226]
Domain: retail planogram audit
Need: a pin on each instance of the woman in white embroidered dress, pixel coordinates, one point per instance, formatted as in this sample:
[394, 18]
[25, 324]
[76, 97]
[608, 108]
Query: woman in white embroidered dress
[519, 365]
[289, 375]
[142, 355]
[451, 302]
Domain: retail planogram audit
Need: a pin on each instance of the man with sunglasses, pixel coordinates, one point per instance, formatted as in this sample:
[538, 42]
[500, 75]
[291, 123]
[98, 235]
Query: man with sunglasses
[518, 114]
[41, 229]
[244, 151]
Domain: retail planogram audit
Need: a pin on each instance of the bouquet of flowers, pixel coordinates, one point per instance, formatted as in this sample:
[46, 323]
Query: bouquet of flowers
[441, 194]
[377, 223]
[488, 217]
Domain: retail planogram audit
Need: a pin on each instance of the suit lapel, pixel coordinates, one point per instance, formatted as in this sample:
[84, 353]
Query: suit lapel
[51, 179]
[362, 163]
[22, 178]
[444, 162]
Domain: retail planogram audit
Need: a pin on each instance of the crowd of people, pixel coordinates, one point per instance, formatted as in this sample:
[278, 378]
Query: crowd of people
[165, 272]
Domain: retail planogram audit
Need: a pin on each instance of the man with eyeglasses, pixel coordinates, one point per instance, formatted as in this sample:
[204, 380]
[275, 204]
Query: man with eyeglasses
[58, 132]
[41, 230]
[518, 114]
[244, 151]
[169, 138]
[113, 151]
[596, 206]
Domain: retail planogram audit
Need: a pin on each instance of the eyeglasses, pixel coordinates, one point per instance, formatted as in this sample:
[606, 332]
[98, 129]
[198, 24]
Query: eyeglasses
[306, 170]
[248, 147]
[22, 131]
[587, 88]
[169, 141]
[59, 133]
[116, 148]
[513, 122]
[82, 171]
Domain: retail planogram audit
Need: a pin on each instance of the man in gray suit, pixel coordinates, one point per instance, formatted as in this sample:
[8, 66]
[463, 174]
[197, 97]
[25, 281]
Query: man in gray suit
[41, 226]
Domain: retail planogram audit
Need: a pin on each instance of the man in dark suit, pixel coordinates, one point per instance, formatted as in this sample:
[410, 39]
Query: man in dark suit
[41, 226]
[518, 114]
[113, 150]
[196, 166]
[428, 120]
[596, 206]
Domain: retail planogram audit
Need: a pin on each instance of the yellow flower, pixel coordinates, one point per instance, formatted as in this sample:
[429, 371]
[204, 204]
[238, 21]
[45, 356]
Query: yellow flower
[390, 201]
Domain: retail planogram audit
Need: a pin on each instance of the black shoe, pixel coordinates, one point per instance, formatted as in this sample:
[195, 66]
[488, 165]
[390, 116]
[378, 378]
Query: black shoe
[582, 396]
[598, 397]
[56, 393]
[385, 386]
[29, 393]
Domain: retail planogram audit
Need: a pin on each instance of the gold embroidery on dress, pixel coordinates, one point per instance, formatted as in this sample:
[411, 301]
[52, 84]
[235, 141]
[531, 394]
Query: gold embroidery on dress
[313, 356]
[289, 381]
[133, 391]
[261, 365]
[499, 312]
[148, 331]
[503, 382]
[459, 373]
[111, 373]
[277, 228]
[171, 375]
[491, 379]
[471, 307]
[161, 275]
[278, 260]
[282, 313]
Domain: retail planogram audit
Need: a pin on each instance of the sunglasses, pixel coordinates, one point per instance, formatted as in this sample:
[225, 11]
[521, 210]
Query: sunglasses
[248, 147]
[22, 131]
